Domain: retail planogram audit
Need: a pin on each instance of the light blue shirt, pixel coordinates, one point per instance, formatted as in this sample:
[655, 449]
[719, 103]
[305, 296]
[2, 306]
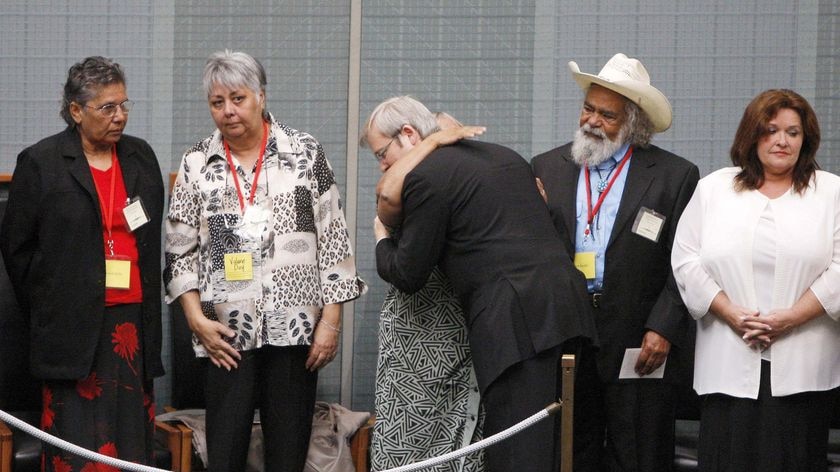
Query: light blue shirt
[602, 224]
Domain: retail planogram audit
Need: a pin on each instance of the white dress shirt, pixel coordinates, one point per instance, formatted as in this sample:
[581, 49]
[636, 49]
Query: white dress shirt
[714, 251]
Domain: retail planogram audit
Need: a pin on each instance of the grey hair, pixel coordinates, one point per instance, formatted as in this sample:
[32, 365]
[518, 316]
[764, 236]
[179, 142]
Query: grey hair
[637, 125]
[84, 80]
[232, 70]
[391, 115]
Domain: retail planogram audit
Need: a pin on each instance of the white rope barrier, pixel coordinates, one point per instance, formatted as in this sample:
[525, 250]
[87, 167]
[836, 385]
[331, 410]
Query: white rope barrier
[74, 449]
[121, 464]
[486, 442]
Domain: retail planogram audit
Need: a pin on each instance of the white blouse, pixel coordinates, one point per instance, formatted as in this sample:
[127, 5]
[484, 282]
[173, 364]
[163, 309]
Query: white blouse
[764, 263]
[714, 251]
[303, 258]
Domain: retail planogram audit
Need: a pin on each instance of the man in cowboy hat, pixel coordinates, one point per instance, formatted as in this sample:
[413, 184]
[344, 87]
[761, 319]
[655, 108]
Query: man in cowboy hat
[616, 199]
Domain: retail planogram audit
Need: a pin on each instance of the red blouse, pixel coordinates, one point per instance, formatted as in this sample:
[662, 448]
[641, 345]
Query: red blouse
[125, 244]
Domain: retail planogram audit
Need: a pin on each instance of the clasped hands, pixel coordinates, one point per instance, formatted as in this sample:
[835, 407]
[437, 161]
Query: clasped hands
[760, 331]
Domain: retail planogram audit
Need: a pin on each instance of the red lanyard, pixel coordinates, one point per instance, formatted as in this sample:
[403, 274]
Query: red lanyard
[590, 212]
[256, 171]
[108, 213]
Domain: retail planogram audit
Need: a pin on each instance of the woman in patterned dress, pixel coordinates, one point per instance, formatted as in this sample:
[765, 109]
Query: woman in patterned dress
[81, 243]
[427, 399]
[259, 256]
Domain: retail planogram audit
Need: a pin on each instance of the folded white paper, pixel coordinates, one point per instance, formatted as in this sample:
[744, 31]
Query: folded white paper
[629, 363]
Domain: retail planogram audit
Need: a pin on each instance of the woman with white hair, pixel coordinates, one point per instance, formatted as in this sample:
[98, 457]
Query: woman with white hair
[427, 401]
[259, 256]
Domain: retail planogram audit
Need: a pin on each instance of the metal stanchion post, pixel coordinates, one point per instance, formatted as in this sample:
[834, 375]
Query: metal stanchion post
[567, 365]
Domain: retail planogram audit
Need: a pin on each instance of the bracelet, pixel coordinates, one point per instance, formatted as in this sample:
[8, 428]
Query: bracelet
[330, 326]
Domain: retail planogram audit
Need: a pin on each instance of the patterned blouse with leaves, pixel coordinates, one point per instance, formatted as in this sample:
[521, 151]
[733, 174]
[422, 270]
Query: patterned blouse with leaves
[304, 259]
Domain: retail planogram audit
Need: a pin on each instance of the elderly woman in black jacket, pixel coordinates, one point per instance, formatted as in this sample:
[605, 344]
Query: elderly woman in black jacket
[81, 243]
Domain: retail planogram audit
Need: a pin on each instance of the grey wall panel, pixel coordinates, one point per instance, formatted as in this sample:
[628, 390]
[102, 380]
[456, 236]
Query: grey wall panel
[499, 63]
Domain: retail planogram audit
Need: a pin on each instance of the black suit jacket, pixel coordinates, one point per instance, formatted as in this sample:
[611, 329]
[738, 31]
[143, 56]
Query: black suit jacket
[51, 238]
[639, 291]
[473, 208]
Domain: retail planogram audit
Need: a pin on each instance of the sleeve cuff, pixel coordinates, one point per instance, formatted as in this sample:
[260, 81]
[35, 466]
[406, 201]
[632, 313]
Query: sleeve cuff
[180, 286]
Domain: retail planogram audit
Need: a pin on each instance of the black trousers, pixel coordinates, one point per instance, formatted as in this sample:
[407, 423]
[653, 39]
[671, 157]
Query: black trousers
[275, 380]
[522, 390]
[622, 426]
[768, 434]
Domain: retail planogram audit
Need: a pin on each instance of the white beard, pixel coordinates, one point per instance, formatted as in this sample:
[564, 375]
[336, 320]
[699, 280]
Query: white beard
[590, 151]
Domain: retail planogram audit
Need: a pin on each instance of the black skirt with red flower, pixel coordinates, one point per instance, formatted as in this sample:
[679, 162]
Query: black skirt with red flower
[111, 411]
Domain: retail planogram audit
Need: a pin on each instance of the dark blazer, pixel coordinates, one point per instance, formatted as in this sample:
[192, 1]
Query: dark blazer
[51, 238]
[473, 208]
[639, 291]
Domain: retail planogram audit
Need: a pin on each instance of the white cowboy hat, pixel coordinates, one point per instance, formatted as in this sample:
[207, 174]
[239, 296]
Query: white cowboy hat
[628, 77]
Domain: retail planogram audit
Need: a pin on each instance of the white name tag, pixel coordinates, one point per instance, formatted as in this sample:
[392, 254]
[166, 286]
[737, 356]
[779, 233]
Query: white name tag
[648, 224]
[135, 214]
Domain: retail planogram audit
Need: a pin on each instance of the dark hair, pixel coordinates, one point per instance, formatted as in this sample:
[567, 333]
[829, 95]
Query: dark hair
[754, 125]
[85, 78]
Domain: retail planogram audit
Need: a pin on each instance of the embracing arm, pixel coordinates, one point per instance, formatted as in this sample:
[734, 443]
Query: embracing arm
[407, 263]
[390, 186]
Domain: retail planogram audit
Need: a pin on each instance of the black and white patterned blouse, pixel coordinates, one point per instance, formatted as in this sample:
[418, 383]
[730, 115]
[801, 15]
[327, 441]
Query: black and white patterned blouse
[301, 261]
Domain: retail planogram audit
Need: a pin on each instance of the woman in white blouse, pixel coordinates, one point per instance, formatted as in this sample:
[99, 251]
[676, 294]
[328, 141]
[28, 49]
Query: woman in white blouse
[757, 260]
[259, 256]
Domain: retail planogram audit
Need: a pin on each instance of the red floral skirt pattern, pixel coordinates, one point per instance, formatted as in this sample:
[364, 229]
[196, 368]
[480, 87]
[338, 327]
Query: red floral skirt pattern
[111, 411]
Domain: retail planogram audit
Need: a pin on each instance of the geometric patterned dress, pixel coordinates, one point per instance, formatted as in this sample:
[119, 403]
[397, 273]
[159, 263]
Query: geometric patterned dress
[427, 399]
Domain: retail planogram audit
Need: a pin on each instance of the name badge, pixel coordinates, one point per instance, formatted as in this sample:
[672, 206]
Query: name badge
[585, 262]
[117, 273]
[135, 214]
[239, 266]
[648, 224]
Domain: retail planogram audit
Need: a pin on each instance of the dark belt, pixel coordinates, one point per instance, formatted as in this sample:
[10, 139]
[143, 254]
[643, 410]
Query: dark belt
[595, 299]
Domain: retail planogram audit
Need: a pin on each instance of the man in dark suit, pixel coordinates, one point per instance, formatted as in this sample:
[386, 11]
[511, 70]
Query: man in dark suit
[473, 209]
[616, 201]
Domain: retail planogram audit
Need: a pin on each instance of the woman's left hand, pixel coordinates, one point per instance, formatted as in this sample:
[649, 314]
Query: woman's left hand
[776, 324]
[781, 321]
[325, 342]
[541, 189]
[454, 134]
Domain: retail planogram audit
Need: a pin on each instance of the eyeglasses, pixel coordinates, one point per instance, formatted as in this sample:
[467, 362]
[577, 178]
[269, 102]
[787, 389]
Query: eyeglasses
[380, 154]
[110, 109]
